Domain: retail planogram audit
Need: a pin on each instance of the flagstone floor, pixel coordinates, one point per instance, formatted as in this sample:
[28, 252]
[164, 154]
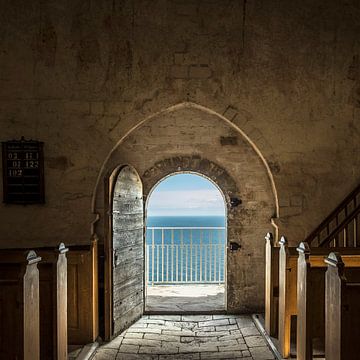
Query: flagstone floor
[180, 337]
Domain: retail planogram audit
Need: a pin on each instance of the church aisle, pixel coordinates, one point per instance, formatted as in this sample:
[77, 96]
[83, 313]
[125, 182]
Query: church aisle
[165, 337]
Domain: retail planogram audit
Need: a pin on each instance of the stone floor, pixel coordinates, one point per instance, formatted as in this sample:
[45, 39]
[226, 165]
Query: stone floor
[180, 337]
[185, 298]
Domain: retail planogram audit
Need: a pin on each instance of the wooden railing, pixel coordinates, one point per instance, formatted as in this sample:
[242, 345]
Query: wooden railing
[341, 227]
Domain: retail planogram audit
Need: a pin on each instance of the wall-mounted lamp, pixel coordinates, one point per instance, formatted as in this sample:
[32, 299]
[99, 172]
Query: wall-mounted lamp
[234, 202]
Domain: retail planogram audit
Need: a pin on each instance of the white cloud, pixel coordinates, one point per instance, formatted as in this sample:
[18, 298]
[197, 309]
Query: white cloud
[189, 202]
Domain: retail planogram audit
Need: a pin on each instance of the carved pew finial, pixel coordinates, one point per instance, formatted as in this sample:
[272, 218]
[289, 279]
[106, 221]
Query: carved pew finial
[334, 260]
[62, 248]
[269, 238]
[32, 257]
[283, 241]
[303, 248]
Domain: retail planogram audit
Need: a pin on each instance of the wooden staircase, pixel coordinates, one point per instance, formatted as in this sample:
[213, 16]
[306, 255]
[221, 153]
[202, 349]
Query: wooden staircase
[342, 227]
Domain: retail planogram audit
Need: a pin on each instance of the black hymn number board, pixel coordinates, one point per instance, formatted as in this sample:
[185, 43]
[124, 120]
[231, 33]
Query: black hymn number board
[23, 171]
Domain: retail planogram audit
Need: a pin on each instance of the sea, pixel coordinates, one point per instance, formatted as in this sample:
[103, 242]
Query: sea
[185, 249]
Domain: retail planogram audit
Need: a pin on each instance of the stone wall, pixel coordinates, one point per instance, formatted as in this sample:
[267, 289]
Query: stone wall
[107, 82]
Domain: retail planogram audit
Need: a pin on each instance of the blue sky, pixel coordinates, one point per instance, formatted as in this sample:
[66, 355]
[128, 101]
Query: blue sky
[186, 195]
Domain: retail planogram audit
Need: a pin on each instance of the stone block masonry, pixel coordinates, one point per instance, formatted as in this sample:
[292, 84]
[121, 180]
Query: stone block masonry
[188, 337]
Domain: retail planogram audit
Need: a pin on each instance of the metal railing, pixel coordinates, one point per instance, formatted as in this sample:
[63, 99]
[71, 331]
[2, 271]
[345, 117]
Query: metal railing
[179, 255]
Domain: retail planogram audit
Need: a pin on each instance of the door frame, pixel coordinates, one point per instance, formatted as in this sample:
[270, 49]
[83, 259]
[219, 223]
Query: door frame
[147, 196]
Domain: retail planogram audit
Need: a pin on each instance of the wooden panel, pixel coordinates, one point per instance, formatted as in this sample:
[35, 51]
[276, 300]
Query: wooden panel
[82, 295]
[47, 305]
[61, 304]
[311, 298]
[271, 286]
[31, 300]
[342, 311]
[11, 344]
[287, 294]
[127, 250]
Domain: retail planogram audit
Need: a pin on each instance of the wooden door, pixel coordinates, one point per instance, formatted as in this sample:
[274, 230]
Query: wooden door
[127, 250]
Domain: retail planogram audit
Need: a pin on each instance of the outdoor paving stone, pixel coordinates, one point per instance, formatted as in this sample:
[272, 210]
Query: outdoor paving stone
[246, 353]
[232, 321]
[261, 353]
[255, 341]
[251, 330]
[105, 354]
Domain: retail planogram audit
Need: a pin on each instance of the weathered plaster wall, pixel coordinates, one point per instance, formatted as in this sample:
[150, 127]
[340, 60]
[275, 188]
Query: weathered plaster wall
[80, 75]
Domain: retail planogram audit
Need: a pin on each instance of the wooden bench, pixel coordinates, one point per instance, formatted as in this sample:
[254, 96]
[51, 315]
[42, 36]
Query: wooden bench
[342, 310]
[52, 287]
[287, 294]
[311, 295]
[271, 286]
[19, 307]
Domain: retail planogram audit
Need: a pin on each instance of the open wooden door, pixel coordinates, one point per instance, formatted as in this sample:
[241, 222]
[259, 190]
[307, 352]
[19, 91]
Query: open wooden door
[127, 250]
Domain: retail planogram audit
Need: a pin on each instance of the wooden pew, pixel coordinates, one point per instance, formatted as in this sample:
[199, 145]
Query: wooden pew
[342, 310]
[52, 272]
[53, 303]
[19, 307]
[311, 295]
[287, 294]
[271, 286]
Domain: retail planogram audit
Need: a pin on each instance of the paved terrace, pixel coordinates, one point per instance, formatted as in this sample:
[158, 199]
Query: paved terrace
[185, 298]
[188, 337]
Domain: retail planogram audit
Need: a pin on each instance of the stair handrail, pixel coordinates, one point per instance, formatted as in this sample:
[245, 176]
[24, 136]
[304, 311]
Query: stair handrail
[340, 227]
[317, 231]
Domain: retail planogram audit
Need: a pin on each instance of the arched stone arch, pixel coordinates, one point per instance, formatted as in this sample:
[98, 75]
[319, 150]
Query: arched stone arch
[188, 134]
[193, 164]
[238, 120]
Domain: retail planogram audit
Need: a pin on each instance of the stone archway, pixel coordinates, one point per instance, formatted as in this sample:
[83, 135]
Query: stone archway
[188, 137]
